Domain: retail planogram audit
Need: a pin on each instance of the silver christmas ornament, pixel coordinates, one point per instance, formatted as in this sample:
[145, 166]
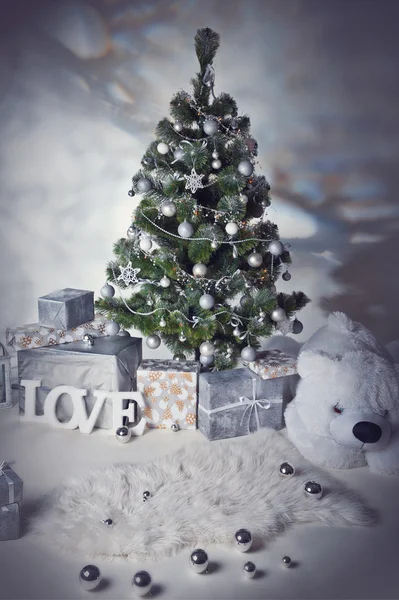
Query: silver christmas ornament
[210, 126]
[146, 495]
[107, 522]
[182, 337]
[168, 209]
[179, 357]
[142, 583]
[107, 291]
[144, 185]
[178, 154]
[162, 322]
[216, 164]
[185, 229]
[215, 155]
[276, 248]
[178, 126]
[286, 469]
[206, 361]
[207, 301]
[153, 341]
[286, 561]
[199, 270]
[88, 339]
[314, 489]
[207, 348]
[229, 350]
[145, 243]
[297, 327]
[243, 540]
[286, 276]
[245, 168]
[231, 228]
[199, 560]
[248, 354]
[123, 333]
[244, 198]
[111, 328]
[123, 434]
[163, 148]
[244, 300]
[175, 427]
[132, 233]
[255, 259]
[89, 577]
[214, 245]
[236, 332]
[234, 124]
[262, 314]
[164, 282]
[278, 314]
[249, 570]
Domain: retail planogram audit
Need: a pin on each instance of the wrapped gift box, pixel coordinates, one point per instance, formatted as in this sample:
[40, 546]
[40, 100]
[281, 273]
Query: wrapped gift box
[238, 402]
[11, 488]
[9, 522]
[110, 364]
[170, 390]
[271, 364]
[66, 308]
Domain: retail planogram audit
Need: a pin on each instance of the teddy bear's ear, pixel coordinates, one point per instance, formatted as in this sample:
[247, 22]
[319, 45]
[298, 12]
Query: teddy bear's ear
[310, 362]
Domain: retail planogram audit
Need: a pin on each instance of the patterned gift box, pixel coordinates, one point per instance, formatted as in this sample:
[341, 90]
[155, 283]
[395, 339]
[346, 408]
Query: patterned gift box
[67, 308]
[170, 390]
[109, 365]
[35, 335]
[271, 364]
[238, 402]
[11, 487]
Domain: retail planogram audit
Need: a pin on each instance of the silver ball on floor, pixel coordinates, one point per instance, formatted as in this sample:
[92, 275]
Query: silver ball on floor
[199, 560]
[142, 583]
[249, 570]
[314, 489]
[123, 434]
[175, 427]
[89, 577]
[88, 339]
[286, 469]
[146, 495]
[243, 540]
[286, 561]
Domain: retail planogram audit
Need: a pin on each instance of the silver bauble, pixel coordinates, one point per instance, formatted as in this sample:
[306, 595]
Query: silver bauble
[314, 489]
[178, 153]
[248, 354]
[276, 248]
[153, 341]
[111, 328]
[207, 301]
[123, 434]
[179, 357]
[182, 337]
[249, 570]
[231, 228]
[175, 427]
[297, 327]
[244, 198]
[214, 245]
[146, 495]
[216, 164]
[142, 583]
[243, 540]
[89, 577]
[286, 276]
[210, 127]
[162, 322]
[88, 339]
[244, 300]
[262, 314]
[215, 154]
[286, 470]
[185, 229]
[286, 561]
[132, 233]
[107, 291]
[162, 148]
[199, 270]
[207, 348]
[107, 522]
[168, 209]
[245, 168]
[206, 361]
[199, 560]
[278, 314]
[164, 282]
[145, 243]
[234, 124]
[255, 259]
[144, 185]
[123, 333]
[178, 126]
[236, 332]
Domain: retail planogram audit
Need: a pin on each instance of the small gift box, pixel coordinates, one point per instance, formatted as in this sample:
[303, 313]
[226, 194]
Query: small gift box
[9, 522]
[110, 364]
[170, 390]
[11, 486]
[271, 364]
[67, 308]
[238, 402]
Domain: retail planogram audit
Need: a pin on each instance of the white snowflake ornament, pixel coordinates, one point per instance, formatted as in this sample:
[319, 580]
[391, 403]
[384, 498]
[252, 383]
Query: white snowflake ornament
[194, 182]
[128, 274]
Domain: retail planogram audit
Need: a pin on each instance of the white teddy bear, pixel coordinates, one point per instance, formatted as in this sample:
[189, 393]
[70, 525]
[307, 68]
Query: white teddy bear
[346, 410]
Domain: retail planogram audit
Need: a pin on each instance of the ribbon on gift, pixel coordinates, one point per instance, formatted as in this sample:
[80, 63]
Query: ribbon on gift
[251, 406]
[10, 483]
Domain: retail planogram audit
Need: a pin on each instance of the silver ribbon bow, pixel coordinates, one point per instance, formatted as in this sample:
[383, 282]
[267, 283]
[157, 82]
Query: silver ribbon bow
[10, 483]
[253, 405]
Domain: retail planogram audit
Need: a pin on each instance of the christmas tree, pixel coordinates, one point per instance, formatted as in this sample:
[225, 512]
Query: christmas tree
[199, 263]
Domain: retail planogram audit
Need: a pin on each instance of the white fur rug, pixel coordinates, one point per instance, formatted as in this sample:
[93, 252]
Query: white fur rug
[201, 494]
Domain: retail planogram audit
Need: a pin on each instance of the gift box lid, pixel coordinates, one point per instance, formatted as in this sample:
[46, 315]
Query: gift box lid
[109, 345]
[65, 295]
[220, 388]
[172, 366]
[11, 485]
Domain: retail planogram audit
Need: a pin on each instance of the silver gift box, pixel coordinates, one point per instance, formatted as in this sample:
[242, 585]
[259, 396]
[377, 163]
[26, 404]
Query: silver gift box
[11, 485]
[10, 517]
[110, 365]
[237, 402]
[66, 308]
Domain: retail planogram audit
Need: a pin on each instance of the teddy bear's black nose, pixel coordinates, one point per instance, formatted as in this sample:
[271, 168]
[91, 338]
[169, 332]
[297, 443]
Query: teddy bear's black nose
[367, 432]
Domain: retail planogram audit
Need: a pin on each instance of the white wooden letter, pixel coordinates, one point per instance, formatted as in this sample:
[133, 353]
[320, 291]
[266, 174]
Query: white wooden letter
[30, 415]
[119, 412]
[85, 423]
[51, 404]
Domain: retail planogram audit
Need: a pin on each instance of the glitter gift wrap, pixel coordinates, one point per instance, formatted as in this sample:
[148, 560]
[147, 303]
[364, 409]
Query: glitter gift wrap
[110, 364]
[273, 363]
[170, 390]
[66, 308]
[35, 335]
[11, 486]
[238, 402]
[10, 517]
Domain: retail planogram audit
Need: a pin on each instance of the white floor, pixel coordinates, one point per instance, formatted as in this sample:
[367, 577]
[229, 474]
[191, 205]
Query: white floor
[331, 562]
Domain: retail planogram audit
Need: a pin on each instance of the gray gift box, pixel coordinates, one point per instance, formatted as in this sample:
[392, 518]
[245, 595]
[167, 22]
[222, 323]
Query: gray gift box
[9, 522]
[110, 364]
[11, 485]
[238, 402]
[66, 308]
